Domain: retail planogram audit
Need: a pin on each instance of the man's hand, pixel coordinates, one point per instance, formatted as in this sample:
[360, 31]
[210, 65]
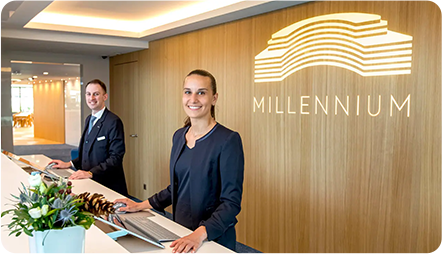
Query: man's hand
[60, 164]
[190, 242]
[80, 174]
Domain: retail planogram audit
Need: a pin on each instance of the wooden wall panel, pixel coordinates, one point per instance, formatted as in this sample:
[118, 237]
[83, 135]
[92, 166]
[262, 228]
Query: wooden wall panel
[124, 89]
[49, 111]
[313, 182]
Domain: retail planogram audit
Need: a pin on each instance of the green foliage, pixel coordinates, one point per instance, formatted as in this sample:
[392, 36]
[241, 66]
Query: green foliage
[45, 207]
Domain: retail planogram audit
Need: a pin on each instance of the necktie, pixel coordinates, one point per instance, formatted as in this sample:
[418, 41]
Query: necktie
[91, 123]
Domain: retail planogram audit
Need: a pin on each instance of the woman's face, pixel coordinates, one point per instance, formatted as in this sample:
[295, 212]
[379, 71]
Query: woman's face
[198, 96]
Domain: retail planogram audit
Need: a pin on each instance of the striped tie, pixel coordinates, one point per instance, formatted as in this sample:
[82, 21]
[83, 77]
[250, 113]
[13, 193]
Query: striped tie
[91, 123]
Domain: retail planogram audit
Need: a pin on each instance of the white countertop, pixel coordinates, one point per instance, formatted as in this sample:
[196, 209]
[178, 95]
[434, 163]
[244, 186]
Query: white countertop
[96, 240]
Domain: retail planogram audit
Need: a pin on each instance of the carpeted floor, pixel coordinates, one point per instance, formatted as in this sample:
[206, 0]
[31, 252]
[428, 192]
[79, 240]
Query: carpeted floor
[63, 152]
[60, 152]
[242, 248]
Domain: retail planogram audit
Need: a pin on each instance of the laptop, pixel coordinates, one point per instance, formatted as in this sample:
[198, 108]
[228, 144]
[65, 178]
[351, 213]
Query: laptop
[30, 167]
[140, 222]
[64, 173]
[139, 225]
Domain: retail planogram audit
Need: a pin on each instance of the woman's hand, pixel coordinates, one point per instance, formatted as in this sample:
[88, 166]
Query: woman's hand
[60, 164]
[190, 242]
[132, 206]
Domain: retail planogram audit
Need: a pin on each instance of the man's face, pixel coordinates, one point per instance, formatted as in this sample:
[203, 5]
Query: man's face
[95, 97]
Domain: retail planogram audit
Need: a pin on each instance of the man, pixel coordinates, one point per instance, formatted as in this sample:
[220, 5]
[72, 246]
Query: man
[101, 147]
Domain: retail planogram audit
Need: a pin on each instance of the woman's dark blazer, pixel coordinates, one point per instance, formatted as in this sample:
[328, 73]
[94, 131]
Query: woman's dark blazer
[216, 182]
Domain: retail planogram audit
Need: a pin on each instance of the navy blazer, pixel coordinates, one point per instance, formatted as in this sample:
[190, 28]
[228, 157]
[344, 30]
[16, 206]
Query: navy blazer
[102, 151]
[216, 183]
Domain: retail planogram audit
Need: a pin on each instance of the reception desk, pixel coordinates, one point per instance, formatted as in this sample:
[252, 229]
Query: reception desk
[97, 241]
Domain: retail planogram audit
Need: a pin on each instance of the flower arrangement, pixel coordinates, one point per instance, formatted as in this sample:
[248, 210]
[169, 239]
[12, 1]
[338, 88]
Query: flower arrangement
[41, 207]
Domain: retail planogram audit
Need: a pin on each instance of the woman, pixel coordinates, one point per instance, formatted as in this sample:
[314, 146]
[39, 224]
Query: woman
[206, 171]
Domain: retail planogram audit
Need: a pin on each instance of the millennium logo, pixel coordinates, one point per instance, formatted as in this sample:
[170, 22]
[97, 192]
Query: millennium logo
[358, 42]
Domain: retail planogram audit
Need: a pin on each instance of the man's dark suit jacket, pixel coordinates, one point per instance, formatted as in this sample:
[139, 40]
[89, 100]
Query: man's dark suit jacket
[102, 150]
[216, 183]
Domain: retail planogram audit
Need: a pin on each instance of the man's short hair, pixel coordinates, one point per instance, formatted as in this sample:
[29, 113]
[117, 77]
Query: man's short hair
[99, 82]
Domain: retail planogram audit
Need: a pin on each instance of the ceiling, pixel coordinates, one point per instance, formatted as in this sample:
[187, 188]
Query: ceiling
[22, 71]
[108, 28]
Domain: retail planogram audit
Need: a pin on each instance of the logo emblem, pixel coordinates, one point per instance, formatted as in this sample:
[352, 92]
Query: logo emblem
[358, 42]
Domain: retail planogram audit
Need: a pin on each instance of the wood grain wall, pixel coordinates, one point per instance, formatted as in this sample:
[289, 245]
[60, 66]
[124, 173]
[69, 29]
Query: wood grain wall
[49, 111]
[313, 182]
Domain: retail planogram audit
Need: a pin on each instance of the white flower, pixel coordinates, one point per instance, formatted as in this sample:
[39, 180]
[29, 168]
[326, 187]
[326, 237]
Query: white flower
[34, 180]
[35, 212]
[44, 210]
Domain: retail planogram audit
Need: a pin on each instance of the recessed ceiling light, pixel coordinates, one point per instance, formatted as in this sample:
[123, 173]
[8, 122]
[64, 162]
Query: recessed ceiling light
[45, 73]
[35, 76]
[197, 8]
[30, 79]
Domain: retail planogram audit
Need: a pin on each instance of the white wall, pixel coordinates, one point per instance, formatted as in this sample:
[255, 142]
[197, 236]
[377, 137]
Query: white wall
[72, 119]
[6, 115]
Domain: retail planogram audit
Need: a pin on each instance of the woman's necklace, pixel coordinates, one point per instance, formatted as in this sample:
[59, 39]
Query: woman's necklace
[196, 135]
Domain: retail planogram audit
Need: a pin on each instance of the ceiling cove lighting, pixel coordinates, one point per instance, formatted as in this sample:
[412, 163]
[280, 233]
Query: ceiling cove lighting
[131, 26]
[359, 42]
[24, 62]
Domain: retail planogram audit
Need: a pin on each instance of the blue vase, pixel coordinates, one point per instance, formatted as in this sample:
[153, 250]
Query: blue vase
[66, 240]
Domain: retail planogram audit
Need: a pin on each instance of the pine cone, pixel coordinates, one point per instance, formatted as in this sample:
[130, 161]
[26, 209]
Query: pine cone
[96, 204]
